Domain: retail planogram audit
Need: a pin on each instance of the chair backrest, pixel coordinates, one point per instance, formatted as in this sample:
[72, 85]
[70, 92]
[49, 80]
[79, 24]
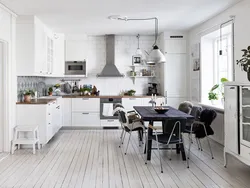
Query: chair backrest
[207, 116]
[123, 118]
[196, 112]
[185, 107]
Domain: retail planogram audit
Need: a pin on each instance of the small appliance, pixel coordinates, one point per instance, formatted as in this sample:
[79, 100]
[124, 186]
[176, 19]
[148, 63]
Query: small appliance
[75, 68]
[152, 89]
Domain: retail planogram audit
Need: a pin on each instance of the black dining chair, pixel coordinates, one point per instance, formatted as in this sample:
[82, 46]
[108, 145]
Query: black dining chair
[173, 137]
[130, 124]
[202, 128]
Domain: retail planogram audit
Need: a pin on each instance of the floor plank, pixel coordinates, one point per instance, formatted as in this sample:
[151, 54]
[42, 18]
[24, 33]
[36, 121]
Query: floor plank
[92, 158]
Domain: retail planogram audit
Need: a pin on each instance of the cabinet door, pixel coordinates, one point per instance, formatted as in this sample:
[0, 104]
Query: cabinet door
[85, 119]
[231, 118]
[129, 103]
[40, 49]
[67, 112]
[173, 46]
[175, 75]
[76, 50]
[59, 55]
[86, 105]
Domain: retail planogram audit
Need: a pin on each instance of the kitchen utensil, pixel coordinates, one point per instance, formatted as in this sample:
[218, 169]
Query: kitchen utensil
[67, 88]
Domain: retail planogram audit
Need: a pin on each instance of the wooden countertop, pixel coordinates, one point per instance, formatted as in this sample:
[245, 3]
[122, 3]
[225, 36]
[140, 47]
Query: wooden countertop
[38, 101]
[108, 96]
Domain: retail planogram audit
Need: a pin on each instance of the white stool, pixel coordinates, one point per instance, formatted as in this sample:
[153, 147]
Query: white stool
[19, 141]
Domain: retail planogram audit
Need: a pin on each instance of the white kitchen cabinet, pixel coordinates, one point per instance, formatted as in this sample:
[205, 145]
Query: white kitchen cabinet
[129, 103]
[35, 48]
[173, 73]
[67, 112]
[237, 121]
[76, 50]
[231, 118]
[86, 119]
[86, 104]
[175, 46]
[59, 55]
[86, 112]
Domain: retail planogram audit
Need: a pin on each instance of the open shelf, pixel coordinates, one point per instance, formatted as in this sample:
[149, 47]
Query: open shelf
[141, 76]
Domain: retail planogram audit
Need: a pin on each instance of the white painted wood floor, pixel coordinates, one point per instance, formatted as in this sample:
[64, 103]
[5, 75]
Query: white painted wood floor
[91, 158]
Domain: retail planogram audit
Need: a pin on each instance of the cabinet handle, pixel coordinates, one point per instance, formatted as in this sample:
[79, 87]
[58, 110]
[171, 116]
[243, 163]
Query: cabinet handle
[49, 114]
[232, 87]
[49, 123]
[131, 98]
[110, 120]
[85, 98]
[85, 113]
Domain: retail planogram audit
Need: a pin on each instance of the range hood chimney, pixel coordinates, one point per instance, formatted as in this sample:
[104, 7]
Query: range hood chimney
[110, 70]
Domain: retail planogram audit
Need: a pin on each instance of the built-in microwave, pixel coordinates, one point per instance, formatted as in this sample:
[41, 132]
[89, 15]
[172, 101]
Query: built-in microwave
[75, 68]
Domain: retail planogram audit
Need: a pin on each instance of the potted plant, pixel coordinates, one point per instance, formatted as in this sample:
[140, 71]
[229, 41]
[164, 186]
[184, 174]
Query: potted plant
[131, 92]
[244, 62]
[28, 94]
[50, 91]
[212, 95]
[81, 90]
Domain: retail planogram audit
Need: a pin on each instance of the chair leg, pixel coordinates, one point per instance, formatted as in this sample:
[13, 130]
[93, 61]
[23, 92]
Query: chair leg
[171, 149]
[12, 148]
[122, 134]
[128, 142]
[210, 148]
[189, 145]
[140, 137]
[159, 155]
[34, 148]
[122, 139]
[38, 143]
[146, 148]
[200, 144]
[197, 141]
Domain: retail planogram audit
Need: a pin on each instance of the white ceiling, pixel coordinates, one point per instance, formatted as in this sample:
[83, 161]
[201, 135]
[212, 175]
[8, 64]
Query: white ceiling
[90, 16]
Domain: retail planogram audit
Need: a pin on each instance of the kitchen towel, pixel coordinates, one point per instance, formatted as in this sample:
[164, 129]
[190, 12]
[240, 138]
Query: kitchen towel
[107, 109]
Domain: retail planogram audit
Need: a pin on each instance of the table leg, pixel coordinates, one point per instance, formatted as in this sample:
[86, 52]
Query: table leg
[150, 133]
[182, 152]
[178, 148]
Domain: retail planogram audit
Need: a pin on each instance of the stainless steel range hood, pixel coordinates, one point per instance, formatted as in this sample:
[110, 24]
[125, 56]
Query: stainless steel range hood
[110, 70]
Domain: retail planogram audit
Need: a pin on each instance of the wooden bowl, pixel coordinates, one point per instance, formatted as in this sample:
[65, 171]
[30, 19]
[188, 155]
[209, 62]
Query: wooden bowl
[161, 110]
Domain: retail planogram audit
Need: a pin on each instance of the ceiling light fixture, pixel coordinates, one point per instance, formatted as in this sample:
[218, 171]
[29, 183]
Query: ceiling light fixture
[138, 50]
[155, 56]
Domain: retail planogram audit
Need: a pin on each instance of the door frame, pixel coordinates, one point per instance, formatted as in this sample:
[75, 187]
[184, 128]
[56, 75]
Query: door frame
[4, 143]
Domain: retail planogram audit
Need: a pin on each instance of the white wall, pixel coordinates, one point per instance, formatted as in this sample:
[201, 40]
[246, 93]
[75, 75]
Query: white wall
[242, 38]
[96, 58]
[7, 35]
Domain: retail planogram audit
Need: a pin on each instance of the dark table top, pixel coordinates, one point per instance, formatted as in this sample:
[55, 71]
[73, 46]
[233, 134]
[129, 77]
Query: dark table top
[148, 114]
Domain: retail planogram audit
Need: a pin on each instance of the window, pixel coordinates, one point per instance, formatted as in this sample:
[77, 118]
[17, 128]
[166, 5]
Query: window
[214, 65]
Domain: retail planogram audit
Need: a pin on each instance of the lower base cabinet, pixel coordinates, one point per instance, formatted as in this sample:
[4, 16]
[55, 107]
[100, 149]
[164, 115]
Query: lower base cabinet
[85, 119]
[110, 123]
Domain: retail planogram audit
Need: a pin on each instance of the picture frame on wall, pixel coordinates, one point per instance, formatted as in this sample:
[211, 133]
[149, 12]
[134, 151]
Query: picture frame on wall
[136, 60]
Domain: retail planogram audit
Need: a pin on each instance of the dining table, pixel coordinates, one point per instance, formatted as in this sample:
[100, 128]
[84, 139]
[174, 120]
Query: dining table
[147, 113]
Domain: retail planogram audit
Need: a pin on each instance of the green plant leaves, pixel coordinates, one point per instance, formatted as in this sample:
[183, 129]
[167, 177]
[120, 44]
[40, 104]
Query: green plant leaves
[214, 87]
[223, 80]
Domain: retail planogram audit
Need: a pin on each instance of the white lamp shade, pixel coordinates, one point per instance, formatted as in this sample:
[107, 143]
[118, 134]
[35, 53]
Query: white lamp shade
[156, 56]
[138, 52]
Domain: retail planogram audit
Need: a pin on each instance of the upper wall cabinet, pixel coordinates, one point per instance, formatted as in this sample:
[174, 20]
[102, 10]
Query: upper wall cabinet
[36, 53]
[76, 50]
[173, 46]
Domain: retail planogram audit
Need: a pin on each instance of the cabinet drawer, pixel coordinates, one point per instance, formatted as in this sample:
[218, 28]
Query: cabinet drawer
[245, 152]
[86, 105]
[129, 103]
[110, 123]
[85, 119]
